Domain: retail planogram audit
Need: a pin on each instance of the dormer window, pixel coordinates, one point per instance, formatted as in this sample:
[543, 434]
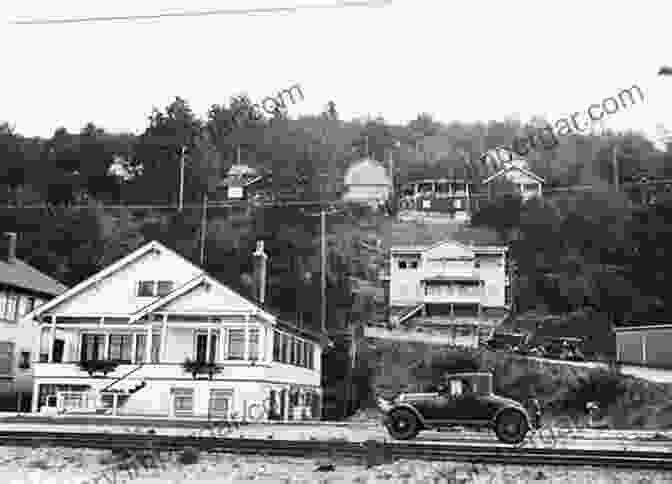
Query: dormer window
[154, 288]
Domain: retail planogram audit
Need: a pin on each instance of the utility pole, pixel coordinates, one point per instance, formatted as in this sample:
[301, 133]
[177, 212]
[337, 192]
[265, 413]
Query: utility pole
[181, 200]
[204, 226]
[323, 298]
[614, 161]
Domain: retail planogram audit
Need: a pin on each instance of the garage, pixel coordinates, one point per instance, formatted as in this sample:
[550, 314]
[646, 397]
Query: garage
[644, 343]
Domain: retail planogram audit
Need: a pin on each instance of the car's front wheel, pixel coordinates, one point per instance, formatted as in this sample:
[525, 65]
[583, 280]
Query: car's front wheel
[403, 424]
[511, 427]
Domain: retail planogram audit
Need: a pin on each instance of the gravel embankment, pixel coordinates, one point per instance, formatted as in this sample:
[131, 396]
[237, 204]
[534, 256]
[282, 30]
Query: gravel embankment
[66, 466]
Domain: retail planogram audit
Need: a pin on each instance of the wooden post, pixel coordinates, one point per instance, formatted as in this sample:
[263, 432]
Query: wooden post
[164, 338]
[148, 339]
[52, 339]
[222, 341]
[246, 354]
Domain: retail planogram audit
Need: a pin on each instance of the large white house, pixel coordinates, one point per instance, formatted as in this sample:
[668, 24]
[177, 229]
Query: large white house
[449, 289]
[117, 343]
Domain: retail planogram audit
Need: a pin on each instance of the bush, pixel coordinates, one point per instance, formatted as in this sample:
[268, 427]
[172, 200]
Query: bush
[602, 386]
[189, 455]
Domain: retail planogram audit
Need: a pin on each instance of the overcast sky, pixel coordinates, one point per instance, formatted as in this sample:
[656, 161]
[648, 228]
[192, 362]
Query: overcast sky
[459, 60]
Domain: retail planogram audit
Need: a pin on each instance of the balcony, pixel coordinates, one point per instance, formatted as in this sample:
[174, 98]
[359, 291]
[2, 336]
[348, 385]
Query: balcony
[440, 290]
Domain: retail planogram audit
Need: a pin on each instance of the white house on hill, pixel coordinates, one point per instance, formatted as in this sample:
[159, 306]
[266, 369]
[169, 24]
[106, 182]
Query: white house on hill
[367, 181]
[124, 334]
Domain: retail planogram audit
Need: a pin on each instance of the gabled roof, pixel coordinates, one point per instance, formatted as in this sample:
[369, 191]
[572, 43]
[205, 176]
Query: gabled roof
[199, 280]
[510, 168]
[472, 247]
[150, 247]
[19, 274]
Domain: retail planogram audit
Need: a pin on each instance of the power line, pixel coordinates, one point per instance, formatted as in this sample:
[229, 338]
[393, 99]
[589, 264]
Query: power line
[203, 13]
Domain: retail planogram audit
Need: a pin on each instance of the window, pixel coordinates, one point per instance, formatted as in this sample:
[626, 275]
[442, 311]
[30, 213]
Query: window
[236, 344]
[414, 264]
[141, 345]
[456, 388]
[201, 347]
[3, 303]
[30, 304]
[24, 364]
[164, 288]
[220, 403]
[277, 346]
[402, 264]
[183, 401]
[507, 295]
[6, 357]
[145, 288]
[120, 347]
[254, 344]
[12, 307]
[93, 347]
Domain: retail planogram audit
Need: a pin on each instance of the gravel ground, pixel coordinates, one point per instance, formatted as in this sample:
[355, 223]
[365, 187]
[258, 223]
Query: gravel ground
[67, 466]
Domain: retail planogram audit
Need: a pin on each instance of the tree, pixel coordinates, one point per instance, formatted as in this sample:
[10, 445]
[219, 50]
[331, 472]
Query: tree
[159, 149]
[12, 170]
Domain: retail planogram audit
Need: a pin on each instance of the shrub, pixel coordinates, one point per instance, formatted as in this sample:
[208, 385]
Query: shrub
[189, 455]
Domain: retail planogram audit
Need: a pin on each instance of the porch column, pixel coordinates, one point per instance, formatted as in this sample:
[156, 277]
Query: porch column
[36, 396]
[247, 338]
[270, 341]
[208, 345]
[222, 341]
[134, 346]
[115, 404]
[52, 339]
[644, 348]
[285, 417]
[106, 346]
[148, 344]
[164, 337]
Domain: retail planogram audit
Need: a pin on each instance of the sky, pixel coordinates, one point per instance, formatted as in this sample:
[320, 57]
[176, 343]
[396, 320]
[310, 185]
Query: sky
[460, 60]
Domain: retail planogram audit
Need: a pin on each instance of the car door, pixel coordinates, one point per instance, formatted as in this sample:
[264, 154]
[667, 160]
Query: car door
[445, 404]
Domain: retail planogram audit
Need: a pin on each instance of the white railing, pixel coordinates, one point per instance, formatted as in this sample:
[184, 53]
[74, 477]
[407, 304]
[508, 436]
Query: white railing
[77, 401]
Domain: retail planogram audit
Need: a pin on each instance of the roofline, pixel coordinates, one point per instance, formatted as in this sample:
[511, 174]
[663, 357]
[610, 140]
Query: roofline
[98, 276]
[192, 284]
[33, 291]
[509, 168]
[618, 329]
[425, 248]
[140, 313]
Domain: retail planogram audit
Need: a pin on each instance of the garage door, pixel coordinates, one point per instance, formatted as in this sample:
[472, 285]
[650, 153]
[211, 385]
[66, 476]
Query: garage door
[658, 347]
[630, 347]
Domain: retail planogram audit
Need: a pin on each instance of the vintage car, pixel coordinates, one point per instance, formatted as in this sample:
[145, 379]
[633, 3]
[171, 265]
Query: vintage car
[466, 400]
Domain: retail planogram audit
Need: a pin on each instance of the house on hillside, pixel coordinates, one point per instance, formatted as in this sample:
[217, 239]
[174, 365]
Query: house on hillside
[22, 289]
[367, 181]
[154, 335]
[514, 179]
[455, 288]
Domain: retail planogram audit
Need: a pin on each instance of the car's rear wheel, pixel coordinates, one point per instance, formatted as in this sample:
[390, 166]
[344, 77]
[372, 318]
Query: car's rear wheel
[511, 427]
[403, 425]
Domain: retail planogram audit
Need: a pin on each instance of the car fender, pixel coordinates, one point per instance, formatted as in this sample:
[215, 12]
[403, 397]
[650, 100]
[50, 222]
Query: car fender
[515, 409]
[410, 408]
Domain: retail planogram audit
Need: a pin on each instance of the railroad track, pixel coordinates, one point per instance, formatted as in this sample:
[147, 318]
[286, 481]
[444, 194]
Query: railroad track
[366, 451]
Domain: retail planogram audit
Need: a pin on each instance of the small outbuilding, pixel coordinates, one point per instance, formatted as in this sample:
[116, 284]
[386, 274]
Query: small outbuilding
[644, 343]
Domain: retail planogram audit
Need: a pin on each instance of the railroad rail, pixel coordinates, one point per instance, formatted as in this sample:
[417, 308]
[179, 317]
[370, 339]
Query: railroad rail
[338, 449]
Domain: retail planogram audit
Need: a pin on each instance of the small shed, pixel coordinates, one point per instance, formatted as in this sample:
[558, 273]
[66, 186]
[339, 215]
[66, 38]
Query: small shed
[644, 343]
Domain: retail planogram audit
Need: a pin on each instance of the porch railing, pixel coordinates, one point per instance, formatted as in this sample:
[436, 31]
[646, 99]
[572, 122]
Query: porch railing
[79, 401]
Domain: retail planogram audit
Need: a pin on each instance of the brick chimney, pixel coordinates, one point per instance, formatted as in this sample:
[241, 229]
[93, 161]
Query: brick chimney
[260, 263]
[10, 255]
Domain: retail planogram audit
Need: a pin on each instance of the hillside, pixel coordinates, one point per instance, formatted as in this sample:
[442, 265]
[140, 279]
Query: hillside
[626, 402]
